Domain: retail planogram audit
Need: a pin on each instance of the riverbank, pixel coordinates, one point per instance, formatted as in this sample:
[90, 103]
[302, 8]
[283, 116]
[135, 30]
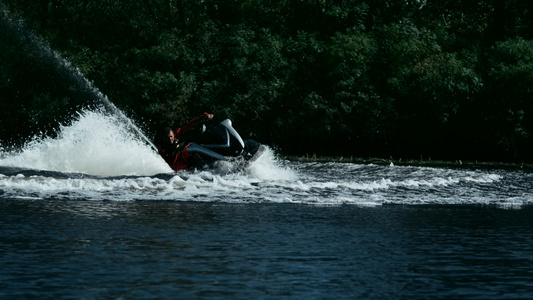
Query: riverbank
[410, 162]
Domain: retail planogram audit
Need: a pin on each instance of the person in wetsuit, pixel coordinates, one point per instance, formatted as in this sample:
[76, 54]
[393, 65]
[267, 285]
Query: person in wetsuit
[174, 152]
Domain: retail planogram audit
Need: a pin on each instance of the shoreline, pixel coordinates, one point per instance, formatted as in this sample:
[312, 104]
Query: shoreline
[410, 162]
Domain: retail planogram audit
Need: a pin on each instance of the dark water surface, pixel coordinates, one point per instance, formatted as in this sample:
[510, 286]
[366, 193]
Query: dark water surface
[165, 249]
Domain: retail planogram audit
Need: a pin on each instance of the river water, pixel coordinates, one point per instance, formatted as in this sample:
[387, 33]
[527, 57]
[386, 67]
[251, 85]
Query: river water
[95, 214]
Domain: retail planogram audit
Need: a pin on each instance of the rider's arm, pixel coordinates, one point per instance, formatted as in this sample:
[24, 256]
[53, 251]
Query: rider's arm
[192, 123]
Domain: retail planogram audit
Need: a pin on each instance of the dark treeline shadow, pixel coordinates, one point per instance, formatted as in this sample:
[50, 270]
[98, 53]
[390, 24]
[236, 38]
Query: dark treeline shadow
[440, 79]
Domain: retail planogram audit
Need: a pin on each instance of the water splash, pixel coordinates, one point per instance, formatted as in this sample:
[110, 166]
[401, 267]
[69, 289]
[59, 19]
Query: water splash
[269, 167]
[96, 143]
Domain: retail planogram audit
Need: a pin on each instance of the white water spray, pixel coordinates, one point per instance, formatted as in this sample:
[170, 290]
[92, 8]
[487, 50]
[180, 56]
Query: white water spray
[269, 167]
[95, 144]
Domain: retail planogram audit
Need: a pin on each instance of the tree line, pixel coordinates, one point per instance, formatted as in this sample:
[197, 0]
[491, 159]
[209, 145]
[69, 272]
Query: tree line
[441, 79]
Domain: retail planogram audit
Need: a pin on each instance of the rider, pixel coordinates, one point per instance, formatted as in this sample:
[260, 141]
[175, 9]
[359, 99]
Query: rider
[174, 153]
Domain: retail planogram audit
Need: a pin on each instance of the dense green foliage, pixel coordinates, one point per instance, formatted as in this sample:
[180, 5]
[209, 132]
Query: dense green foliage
[440, 79]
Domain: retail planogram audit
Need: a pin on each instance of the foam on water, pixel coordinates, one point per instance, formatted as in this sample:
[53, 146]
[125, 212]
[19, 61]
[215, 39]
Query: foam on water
[294, 186]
